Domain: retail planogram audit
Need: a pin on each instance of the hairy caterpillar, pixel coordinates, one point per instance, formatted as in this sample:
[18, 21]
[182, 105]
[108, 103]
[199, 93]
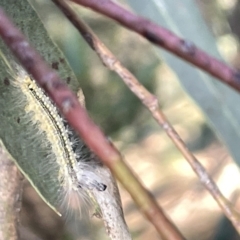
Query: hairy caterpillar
[66, 157]
[59, 183]
[49, 153]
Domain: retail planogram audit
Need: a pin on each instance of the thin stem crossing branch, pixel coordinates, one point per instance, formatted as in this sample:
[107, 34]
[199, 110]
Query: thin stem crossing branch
[151, 102]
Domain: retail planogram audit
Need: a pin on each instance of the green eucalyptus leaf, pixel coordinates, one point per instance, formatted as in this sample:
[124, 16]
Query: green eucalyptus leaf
[20, 136]
[216, 100]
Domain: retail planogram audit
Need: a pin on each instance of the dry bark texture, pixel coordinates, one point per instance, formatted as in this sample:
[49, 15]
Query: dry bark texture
[10, 196]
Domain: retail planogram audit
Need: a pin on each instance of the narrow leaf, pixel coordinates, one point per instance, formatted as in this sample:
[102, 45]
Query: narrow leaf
[216, 100]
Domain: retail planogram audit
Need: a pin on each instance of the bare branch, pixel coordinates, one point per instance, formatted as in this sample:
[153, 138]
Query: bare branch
[166, 39]
[80, 121]
[151, 102]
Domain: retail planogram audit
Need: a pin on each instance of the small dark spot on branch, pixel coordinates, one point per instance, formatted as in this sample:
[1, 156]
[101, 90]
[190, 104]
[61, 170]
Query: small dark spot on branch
[89, 38]
[18, 120]
[68, 80]
[187, 47]
[152, 37]
[108, 229]
[55, 65]
[61, 60]
[236, 76]
[6, 81]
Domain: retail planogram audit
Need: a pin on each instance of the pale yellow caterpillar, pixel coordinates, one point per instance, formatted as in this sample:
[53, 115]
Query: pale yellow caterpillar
[37, 146]
[67, 167]
[49, 153]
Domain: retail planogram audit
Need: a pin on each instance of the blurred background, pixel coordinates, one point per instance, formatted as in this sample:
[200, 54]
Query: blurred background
[145, 146]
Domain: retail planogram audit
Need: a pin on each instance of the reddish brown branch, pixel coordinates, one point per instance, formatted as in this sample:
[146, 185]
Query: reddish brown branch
[79, 119]
[151, 102]
[165, 39]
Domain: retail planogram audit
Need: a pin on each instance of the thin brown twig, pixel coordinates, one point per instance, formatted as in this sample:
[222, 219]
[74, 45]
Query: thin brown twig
[80, 121]
[151, 102]
[166, 39]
